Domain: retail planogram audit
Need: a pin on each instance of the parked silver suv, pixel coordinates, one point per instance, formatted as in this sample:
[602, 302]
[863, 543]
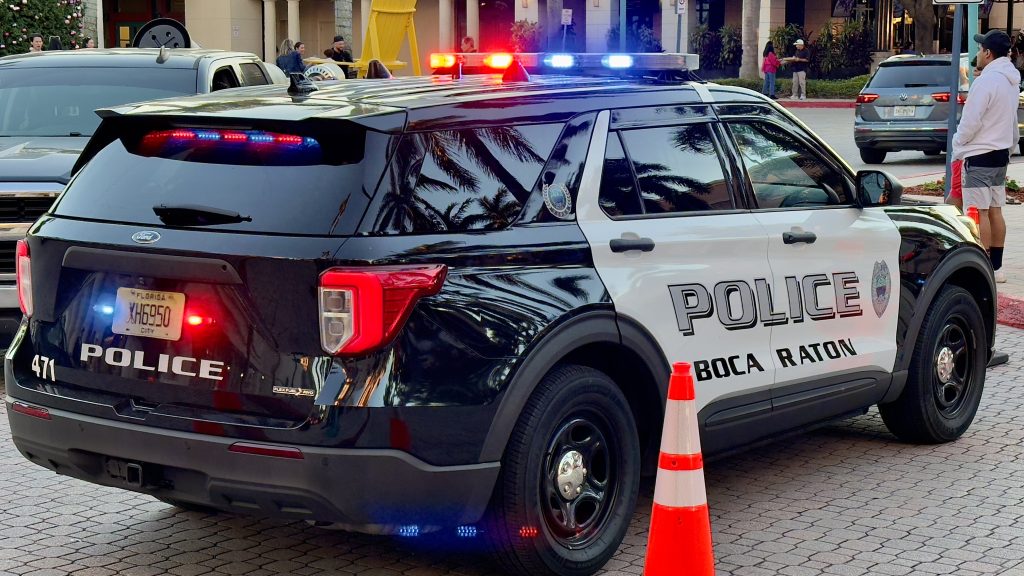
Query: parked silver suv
[905, 106]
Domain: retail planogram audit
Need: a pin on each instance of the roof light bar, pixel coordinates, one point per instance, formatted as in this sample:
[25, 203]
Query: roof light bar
[581, 62]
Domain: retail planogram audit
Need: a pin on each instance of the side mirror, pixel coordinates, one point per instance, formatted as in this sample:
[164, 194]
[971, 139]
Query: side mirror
[877, 188]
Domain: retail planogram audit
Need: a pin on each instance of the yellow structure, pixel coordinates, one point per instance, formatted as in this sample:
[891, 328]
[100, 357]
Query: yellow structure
[390, 22]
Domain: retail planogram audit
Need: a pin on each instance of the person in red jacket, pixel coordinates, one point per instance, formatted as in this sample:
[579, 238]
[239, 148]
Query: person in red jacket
[769, 66]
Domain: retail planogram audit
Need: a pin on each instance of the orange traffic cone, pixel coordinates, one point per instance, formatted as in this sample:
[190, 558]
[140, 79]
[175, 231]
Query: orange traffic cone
[973, 214]
[679, 543]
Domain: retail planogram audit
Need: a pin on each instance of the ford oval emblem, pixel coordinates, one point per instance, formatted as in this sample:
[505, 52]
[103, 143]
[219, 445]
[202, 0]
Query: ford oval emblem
[145, 237]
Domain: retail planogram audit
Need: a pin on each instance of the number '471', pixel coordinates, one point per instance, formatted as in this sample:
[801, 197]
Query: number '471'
[44, 368]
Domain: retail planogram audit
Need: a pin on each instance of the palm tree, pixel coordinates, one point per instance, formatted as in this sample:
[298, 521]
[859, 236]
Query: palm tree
[497, 211]
[751, 23]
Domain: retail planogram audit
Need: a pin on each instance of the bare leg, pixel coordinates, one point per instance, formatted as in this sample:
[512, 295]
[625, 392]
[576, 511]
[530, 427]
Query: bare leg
[958, 202]
[997, 227]
[986, 228]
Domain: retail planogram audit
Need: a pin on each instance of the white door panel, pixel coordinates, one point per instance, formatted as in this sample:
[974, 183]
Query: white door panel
[849, 315]
[696, 291]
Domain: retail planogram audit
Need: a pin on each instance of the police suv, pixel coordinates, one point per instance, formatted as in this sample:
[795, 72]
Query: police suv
[450, 303]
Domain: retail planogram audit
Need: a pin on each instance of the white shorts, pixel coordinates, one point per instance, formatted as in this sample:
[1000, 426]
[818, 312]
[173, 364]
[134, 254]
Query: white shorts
[984, 187]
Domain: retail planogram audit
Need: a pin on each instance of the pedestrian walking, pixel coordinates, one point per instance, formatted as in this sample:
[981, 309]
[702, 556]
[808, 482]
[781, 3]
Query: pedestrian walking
[290, 57]
[55, 44]
[799, 61]
[986, 134]
[769, 66]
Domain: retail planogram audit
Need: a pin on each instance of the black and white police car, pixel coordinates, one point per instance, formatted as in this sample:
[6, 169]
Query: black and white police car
[446, 303]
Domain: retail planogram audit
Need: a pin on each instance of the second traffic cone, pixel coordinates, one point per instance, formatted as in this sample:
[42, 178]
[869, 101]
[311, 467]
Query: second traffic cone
[679, 542]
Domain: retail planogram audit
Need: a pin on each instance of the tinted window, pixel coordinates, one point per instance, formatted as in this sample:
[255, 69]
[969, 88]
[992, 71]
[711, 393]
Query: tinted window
[618, 188]
[459, 180]
[783, 172]
[60, 102]
[224, 78]
[678, 169]
[252, 74]
[320, 199]
[934, 73]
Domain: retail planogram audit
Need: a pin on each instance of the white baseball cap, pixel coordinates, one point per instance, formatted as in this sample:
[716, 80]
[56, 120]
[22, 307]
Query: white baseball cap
[799, 42]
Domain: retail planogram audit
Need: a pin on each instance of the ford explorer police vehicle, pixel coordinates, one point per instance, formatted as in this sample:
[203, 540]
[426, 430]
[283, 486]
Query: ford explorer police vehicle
[451, 304]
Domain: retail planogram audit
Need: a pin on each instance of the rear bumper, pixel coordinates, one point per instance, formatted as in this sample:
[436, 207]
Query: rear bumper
[900, 137]
[363, 489]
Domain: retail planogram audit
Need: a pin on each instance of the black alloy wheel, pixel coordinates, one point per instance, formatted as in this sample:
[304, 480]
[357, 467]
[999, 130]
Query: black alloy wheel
[569, 478]
[946, 375]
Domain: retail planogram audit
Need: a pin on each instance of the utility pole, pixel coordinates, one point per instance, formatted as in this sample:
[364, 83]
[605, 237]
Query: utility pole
[1009, 18]
[954, 89]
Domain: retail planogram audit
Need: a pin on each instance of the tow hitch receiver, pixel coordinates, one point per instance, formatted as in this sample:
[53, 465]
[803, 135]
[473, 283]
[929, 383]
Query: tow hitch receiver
[128, 472]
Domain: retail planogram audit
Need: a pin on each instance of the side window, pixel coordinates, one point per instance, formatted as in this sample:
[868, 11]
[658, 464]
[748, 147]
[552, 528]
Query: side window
[223, 78]
[461, 180]
[252, 74]
[783, 172]
[678, 169]
[618, 195]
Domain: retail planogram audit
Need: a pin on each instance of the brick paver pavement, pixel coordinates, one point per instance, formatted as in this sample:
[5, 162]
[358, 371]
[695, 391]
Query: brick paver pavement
[847, 499]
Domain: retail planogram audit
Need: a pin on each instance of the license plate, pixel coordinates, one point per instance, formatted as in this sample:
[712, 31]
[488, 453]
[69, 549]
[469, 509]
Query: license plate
[904, 111]
[149, 313]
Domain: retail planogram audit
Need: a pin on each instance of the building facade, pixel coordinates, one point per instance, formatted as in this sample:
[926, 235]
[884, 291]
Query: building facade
[259, 26]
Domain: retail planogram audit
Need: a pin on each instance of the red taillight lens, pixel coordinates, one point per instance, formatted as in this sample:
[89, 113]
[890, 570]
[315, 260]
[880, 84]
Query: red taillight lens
[944, 97]
[362, 309]
[33, 411]
[866, 98]
[499, 60]
[266, 450]
[24, 278]
[442, 60]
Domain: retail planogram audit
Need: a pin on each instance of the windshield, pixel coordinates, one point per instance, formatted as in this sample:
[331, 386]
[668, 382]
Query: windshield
[935, 73]
[62, 101]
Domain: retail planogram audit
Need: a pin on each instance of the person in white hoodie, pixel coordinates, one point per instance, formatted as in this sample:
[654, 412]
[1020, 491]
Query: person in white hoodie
[986, 134]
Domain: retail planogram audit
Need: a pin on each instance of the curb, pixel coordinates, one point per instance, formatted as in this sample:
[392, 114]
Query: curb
[1010, 311]
[835, 104]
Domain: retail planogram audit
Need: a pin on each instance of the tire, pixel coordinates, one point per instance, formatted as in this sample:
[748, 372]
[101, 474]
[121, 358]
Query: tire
[573, 408]
[872, 156]
[931, 411]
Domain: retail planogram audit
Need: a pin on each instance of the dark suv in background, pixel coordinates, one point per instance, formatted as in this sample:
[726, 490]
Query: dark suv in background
[905, 106]
[47, 103]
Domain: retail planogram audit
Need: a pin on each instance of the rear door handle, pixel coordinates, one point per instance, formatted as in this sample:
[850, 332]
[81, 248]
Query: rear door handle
[630, 244]
[797, 237]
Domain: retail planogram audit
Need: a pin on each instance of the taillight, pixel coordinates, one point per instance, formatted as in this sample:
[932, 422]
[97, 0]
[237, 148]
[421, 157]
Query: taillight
[24, 277]
[944, 97]
[364, 308]
[866, 98]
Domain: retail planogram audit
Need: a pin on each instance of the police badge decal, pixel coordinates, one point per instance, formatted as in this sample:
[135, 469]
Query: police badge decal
[880, 287]
[558, 200]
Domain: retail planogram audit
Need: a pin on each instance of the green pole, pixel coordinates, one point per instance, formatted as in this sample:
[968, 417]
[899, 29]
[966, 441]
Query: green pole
[973, 22]
[622, 25]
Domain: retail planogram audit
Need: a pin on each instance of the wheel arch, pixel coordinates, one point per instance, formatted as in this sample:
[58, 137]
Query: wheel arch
[967, 267]
[598, 339]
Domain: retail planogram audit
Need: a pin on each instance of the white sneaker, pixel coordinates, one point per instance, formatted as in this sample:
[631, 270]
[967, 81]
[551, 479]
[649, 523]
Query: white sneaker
[803, 97]
[1000, 277]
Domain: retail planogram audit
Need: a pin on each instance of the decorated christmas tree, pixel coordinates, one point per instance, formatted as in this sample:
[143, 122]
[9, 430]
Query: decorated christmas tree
[21, 18]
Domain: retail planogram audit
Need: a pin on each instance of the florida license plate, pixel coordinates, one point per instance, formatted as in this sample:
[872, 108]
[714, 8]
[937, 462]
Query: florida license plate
[904, 111]
[149, 313]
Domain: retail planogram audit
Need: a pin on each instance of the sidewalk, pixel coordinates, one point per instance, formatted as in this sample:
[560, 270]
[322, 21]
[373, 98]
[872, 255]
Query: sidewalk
[788, 102]
[1011, 294]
